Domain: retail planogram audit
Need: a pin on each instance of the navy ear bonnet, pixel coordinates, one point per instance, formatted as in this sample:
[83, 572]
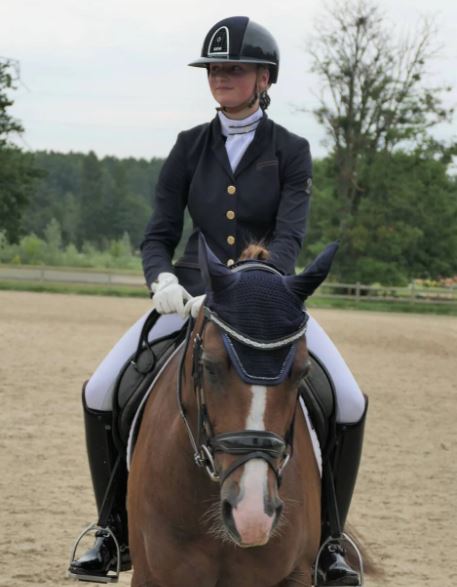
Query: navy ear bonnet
[259, 305]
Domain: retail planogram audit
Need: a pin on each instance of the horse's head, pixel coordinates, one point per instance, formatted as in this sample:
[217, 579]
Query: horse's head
[249, 355]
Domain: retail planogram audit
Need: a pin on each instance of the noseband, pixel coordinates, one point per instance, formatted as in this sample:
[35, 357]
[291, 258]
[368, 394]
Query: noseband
[246, 444]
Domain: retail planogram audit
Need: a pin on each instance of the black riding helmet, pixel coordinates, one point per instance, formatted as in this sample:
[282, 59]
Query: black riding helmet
[240, 39]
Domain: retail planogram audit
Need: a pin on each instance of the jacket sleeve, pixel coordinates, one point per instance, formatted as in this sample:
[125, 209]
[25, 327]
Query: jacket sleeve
[164, 229]
[291, 218]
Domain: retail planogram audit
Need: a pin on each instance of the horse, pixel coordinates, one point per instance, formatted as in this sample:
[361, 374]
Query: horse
[224, 487]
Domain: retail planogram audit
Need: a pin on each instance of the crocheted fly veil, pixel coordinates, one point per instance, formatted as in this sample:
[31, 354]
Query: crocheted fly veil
[260, 307]
[256, 304]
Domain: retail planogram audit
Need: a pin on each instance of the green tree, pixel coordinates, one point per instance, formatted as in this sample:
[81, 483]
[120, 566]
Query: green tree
[17, 170]
[53, 238]
[404, 228]
[93, 212]
[373, 93]
[93, 199]
[375, 104]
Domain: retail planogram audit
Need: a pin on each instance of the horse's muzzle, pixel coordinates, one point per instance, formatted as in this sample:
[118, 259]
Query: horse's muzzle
[251, 507]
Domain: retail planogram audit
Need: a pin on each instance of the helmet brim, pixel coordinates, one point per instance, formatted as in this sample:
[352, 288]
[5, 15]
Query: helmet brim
[203, 61]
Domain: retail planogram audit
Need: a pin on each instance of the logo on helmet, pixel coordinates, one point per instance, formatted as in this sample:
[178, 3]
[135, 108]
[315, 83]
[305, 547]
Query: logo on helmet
[219, 43]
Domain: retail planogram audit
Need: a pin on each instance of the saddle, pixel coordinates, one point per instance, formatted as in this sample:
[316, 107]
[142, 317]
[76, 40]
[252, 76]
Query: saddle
[137, 375]
[318, 394]
[139, 372]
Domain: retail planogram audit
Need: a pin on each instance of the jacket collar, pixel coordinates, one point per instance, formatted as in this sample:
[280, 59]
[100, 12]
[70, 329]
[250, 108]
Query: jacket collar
[252, 152]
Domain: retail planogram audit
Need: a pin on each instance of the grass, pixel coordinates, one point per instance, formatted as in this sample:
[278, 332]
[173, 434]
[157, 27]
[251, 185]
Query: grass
[383, 306]
[73, 268]
[314, 302]
[120, 291]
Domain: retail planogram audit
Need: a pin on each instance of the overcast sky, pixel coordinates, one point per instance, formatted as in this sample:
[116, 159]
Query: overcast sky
[112, 75]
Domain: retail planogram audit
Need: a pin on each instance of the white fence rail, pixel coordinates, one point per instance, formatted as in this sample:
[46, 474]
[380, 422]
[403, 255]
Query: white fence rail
[411, 293]
[350, 291]
[58, 275]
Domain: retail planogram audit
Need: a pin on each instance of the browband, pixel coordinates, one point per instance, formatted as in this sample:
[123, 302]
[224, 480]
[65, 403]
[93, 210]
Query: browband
[252, 342]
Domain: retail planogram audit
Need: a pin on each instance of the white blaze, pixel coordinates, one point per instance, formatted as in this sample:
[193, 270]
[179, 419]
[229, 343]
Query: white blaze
[252, 522]
[255, 419]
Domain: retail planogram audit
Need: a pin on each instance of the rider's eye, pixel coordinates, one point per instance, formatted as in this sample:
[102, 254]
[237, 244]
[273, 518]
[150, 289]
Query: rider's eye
[216, 70]
[237, 70]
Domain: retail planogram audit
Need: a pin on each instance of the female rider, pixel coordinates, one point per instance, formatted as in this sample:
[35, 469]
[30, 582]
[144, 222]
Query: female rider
[242, 177]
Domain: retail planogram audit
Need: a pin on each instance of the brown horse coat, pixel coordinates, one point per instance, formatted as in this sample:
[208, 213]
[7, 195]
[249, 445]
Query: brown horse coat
[173, 505]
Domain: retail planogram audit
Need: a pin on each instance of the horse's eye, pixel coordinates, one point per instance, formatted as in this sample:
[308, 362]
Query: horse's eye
[306, 368]
[301, 372]
[212, 370]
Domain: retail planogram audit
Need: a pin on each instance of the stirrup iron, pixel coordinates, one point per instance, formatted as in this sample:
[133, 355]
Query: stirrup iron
[110, 577]
[342, 538]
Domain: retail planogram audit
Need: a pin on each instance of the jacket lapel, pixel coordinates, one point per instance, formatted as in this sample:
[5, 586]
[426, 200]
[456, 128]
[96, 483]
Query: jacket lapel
[256, 147]
[218, 147]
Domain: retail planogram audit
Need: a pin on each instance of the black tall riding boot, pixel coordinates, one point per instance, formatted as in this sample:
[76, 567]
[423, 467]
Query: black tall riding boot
[95, 564]
[334, 570]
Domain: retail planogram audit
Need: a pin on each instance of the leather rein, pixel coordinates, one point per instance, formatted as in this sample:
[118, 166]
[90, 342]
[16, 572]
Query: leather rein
[246, 444]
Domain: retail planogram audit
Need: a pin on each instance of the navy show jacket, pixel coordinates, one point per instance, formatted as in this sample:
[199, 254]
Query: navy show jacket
[266, 199]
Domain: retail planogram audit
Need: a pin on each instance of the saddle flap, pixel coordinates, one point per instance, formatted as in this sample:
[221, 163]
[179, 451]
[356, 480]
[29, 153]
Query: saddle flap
[318, 394]
[135, 379]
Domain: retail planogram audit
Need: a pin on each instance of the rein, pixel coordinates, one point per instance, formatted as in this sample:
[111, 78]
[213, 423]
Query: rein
[246, 444]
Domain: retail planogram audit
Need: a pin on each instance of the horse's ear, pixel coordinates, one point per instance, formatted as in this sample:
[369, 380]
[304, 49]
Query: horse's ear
[304, 284]
[215, 274]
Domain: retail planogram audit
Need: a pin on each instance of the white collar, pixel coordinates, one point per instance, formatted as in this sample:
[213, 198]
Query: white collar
[239, 127]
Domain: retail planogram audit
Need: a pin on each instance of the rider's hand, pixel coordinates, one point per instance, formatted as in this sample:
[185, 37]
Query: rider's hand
[193, 306]
[169, 297]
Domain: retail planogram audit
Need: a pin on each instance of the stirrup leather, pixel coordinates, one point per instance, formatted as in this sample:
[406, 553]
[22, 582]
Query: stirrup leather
[343, 538]
[110, 577]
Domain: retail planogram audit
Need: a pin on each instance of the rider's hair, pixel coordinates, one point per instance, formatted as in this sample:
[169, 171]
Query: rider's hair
[264, 100]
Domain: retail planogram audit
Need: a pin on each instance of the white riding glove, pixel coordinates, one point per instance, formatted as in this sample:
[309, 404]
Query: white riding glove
[193, 306]
[169, 297]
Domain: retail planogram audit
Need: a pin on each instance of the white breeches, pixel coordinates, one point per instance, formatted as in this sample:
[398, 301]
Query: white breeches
[350, 400]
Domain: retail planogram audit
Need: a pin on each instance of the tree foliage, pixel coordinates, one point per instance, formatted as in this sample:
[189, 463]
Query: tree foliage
[386, 191]
[94, 200]
[17, 170]
[405, 229]
[374, 92]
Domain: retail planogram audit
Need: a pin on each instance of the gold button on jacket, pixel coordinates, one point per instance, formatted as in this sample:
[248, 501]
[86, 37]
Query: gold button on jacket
[231, 190]
[230, 262]
[230, 214]
[231, 240]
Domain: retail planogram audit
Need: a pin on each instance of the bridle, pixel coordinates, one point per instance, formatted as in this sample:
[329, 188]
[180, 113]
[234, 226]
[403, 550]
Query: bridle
[246, 444]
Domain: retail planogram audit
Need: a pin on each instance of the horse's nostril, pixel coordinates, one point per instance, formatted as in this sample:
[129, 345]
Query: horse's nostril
[226, 510]
[274, 507]
[279, 509]
[229, 522]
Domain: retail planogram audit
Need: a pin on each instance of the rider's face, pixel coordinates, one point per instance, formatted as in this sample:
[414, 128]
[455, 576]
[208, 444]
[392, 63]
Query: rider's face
[233, 84]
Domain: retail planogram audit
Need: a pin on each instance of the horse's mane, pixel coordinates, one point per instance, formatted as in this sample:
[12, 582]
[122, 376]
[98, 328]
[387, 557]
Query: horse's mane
[255, 251]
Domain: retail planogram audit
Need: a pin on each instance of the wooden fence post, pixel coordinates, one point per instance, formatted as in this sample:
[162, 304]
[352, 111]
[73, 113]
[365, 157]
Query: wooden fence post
[357, 292]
